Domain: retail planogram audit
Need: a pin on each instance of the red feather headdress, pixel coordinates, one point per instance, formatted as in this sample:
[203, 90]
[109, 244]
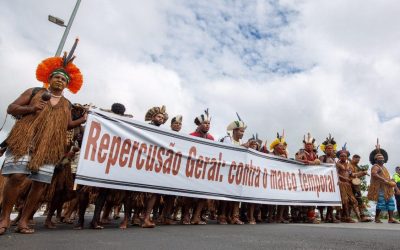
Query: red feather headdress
[64, 64]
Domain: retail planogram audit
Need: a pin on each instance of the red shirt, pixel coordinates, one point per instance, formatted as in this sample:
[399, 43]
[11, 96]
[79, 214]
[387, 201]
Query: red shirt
[197, 134]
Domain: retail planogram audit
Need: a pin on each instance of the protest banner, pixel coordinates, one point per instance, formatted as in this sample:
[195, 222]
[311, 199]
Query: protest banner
[122, 153]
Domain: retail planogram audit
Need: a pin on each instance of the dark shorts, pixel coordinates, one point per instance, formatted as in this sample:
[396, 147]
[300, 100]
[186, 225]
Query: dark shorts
[20, 166]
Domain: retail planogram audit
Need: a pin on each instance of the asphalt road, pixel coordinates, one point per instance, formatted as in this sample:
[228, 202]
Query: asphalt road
[212, 236]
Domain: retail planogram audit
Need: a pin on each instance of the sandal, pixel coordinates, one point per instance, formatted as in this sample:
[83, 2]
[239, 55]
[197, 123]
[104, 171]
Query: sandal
[96, 226]
[313, 221]
[186, 222]
[364, 219]
[169, 221]
[236, 221]
[50, 225]
[136, 221]
[24, 230]
[148, 223]
[222, 220]
[349, 220]
[252, 222]
[148, 226]
[77, 227]
[332, 220]
[378, 221]
[393, 221]
[68, 221]
[198, 222]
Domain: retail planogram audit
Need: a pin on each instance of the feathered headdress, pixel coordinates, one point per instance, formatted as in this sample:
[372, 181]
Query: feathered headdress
[236, 124]
[202, 118]
[177, 118]
[308, 139]
[256, 139]
[343, 150]
[378, 151]
[155, 111]
[61, 65]
[329, 141]
[279, 139]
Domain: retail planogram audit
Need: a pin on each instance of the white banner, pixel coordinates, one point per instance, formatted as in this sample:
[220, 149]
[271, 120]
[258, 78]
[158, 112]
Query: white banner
[122, 153]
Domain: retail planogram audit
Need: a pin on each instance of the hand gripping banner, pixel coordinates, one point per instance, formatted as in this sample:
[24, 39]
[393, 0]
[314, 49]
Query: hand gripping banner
[121, 153]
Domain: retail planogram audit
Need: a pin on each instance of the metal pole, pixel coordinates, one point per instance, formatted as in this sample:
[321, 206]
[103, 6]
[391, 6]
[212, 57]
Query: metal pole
[64, 37]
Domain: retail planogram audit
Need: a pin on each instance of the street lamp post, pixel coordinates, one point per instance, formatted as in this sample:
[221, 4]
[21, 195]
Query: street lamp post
[60, 22]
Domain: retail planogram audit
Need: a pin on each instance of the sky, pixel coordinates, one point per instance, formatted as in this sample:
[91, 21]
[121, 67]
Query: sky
[302, 66]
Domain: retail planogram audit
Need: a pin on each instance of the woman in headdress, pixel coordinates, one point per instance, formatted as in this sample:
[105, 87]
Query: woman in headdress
[329, 148]
[278, 148]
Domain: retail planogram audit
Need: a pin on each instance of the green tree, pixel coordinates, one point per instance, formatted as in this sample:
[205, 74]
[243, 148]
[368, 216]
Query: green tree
[364, 185]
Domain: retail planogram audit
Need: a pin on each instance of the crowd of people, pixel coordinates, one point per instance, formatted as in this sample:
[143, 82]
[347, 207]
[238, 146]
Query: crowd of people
[42, 150]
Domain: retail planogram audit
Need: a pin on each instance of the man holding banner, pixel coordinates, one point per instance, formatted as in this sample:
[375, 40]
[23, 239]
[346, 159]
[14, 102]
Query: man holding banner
[203, 126]
[230, 209]
[169, 200]
[106, 193]
[308, 156]
[157, 117]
